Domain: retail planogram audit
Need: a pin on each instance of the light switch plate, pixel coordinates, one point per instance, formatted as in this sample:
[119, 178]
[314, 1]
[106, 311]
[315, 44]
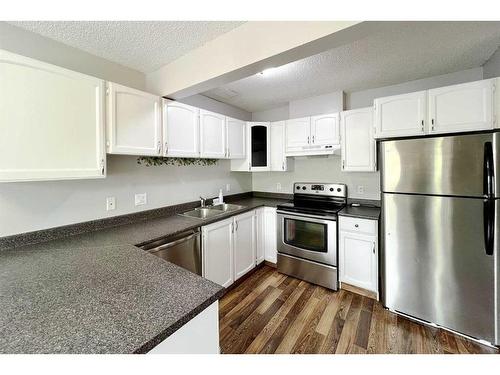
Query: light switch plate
[361, 189]
[141, 199]
[110, 203]
[228, 187]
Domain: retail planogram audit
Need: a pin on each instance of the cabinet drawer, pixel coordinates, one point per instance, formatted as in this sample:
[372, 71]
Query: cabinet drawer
[354, 224]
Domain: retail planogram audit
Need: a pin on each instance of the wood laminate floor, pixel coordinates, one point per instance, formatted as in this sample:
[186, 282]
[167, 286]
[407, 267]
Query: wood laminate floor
[273, 313]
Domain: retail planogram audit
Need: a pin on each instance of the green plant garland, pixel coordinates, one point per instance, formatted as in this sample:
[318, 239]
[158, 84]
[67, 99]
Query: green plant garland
[154, 161]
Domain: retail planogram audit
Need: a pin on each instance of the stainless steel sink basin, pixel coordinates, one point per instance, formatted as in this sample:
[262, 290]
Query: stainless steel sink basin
[202, 213]
[211, 211]
[225, 207]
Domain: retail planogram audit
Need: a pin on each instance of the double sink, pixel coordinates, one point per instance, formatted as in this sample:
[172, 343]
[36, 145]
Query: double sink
[209, 212]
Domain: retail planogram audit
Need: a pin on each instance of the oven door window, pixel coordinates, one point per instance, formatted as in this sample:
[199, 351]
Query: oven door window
[305, 235]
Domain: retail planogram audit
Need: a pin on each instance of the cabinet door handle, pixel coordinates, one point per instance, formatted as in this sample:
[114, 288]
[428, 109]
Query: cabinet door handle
[166, 148]
[158, 148]
[308, 140]
[283, 165]
[236, 226]
[356, 225]
[249, 166]
[373, 248]
[313, 139]
[343, 164]
[102, 167]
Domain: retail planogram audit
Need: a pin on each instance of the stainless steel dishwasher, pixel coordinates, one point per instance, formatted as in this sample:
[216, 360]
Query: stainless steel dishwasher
[183, 249]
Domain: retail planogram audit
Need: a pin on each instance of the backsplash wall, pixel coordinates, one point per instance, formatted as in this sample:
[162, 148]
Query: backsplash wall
[30, 206]
[319, 169]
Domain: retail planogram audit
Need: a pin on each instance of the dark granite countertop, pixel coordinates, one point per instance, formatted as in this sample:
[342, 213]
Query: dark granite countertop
[96, 292]
[363, 212]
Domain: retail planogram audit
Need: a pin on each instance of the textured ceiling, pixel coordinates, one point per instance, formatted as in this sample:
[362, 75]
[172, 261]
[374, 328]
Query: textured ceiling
[406, 52]
[141, 45]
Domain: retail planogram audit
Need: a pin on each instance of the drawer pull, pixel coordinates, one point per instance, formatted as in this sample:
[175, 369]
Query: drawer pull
[356, 225]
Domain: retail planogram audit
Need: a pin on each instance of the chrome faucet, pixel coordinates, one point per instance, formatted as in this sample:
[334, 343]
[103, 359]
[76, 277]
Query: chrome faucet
[202, 201]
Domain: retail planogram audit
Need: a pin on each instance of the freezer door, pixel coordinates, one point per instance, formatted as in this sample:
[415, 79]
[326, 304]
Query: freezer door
[437, 262]
[452, 165]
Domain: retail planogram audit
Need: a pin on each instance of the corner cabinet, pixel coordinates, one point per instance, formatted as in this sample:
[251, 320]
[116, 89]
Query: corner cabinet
[279, 162]
[258, 149]
[464, 107]
[401, 115]
[358, 253]
[358, 145]
[212, 135]
[51, 121]
[133, 123]
[181, 130]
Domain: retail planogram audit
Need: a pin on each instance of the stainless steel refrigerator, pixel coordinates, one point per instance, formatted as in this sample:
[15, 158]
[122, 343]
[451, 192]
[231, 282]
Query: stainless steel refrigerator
[440, 207]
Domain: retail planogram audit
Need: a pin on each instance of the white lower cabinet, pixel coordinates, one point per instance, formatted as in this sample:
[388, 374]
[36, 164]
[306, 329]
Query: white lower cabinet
[244, 243]
[269, 231]
[198, 336]
[234, 246]
[260, 223]
[218, 265]
[358, 253]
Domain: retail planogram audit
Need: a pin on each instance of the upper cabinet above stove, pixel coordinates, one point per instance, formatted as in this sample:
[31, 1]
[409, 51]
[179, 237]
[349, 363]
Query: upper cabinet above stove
[317, 135]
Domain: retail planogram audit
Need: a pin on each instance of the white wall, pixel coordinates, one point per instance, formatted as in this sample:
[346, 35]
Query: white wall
[360, 99]
[275, 114]
[319, 169]
[491, 68]
[32, 206]
[38, 205]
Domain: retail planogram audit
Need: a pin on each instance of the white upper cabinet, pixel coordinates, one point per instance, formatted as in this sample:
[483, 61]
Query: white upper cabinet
[317, 135]
[279, 162]
[51, 122]
[464, 107]
[325, 130]
[236, 131]
[133, 121]
[181, 126]
[358, 144]
[298, 134]
[400, 115]
[244, 244]
[212, 135]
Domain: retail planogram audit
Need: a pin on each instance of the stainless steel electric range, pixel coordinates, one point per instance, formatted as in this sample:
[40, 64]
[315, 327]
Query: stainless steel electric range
[307, 233]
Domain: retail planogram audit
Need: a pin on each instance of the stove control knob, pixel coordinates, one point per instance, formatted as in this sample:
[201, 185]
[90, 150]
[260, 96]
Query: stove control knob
[303, 188]
[298, 187]
[331, 189]
[339, 190]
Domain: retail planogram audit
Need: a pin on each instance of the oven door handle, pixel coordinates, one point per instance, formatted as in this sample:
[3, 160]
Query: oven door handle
[313, 218]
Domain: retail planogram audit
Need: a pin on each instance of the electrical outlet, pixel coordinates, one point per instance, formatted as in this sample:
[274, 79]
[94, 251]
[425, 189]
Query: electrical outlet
[228, 187]
[141, 199]
[110, 203]
[278, 186]
[361, 189]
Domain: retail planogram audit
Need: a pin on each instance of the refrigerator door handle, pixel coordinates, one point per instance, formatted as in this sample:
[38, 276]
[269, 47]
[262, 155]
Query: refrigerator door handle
[489, 225]
[488, 171]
